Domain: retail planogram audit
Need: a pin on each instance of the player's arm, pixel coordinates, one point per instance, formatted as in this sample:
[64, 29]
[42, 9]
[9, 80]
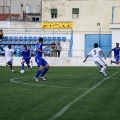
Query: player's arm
[21, 52]
[41, 51]
[86, 58]
[109, 53]
[103, 54]
[14, 52]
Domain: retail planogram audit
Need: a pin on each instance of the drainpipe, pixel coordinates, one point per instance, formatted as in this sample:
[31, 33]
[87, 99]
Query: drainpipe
[10, 10]
[3, 6]
[113, 14]
[21, 11]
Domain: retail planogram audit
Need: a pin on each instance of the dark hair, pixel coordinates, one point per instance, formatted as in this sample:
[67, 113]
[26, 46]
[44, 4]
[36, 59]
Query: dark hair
[95, 45]
[25, 45]
[9, 46]
[40, 39]
[118, 44]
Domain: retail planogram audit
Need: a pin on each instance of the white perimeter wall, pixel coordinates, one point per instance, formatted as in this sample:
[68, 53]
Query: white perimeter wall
[68, 61]
[78, 45]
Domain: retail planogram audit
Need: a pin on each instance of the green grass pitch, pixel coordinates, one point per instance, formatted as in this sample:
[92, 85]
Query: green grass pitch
[22, 98]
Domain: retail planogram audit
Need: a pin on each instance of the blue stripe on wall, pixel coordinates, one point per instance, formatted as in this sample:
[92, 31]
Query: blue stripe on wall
[104, 41]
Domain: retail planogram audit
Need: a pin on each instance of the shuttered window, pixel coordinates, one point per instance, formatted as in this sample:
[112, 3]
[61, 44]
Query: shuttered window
[53, 13]
[75, 13]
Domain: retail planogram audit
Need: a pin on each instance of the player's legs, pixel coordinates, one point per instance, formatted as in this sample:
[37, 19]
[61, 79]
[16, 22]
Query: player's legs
[59, 53]
[11, 67]
[22, 70]
[31, 63]
[46, 68]
[102, 64]
[103, 68]
[116, 60]
[39, 64]
[28, 66]
[28, 63]
[112, 61]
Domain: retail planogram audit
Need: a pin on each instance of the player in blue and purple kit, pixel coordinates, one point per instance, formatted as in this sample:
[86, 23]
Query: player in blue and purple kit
[116, 54]
[39, 59]
[26, 58]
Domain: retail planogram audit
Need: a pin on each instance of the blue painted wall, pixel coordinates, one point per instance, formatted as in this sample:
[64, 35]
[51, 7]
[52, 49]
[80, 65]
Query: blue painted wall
[104, 41]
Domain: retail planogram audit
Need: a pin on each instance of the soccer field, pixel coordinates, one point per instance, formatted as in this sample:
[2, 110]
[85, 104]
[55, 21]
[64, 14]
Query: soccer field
[69, 93]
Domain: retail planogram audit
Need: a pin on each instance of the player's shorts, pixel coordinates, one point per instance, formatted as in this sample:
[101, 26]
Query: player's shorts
[27, 60]
[117, 58]
[10, 60]
[99, 62]
[40, 62]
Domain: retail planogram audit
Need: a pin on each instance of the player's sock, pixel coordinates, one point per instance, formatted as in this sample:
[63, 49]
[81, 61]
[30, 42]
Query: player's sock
[103, 69]
[38, 73]
[11, 67]
[44, 71]
[22, 66]
[28, 66]
[113, 61]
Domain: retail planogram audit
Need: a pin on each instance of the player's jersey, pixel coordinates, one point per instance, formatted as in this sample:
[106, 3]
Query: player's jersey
[116, 51]
[26, 53]
[8, 53]
[95, 52]
[38, 54]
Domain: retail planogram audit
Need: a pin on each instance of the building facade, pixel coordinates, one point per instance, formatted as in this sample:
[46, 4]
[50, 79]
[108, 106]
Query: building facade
[27, 10]
[87, 15]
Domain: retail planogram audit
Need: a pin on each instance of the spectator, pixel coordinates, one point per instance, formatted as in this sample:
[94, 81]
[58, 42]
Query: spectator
[1, 35]
[53, 49]
[58, 48]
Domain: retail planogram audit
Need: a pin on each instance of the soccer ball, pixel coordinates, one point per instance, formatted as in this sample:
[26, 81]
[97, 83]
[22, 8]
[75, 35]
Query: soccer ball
[22, 71]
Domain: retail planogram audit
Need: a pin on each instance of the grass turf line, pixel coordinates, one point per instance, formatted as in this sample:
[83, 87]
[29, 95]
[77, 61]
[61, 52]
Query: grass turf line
[23, 102]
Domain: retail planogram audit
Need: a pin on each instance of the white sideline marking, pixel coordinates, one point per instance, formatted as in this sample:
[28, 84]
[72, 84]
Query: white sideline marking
[13, 80]
[66, 107]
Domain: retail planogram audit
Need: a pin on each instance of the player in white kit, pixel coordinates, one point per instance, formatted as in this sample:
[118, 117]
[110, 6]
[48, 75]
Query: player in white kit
[96, 58]
[8, 54]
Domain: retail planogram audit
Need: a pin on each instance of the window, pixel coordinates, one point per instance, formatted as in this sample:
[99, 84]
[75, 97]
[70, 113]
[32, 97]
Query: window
[98, 24]
[75, 12]
[53, 13]
[35, 19]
